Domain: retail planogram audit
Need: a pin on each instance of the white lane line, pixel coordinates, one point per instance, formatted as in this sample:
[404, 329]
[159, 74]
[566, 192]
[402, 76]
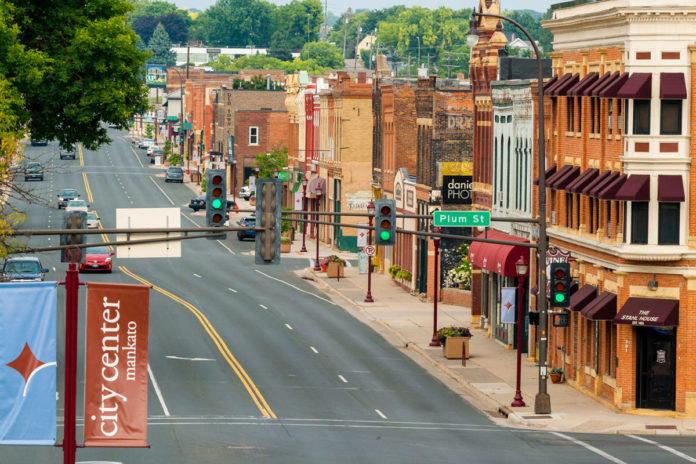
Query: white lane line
[313, 349]
[160, 189]
[264, 306]
[232, 290]
[197, 275]
[192, 221]
[225, 247]
[598, 451]
[343, 379]
[54, 269]
[381, 414]
[189, 359]
[137, 157]
[296, 288]
[288, 326]
[157, 390]
[664, 447]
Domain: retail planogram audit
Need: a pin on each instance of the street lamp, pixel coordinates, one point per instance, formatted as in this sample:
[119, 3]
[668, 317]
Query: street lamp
[317, 267]
[522, 268]
[234, 180]
[542, 401]
[304, 214]
[275, 173]
[436, 241]
[371, 214]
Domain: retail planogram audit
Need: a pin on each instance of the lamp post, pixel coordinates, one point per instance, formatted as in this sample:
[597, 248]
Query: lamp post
[436, 241]
[522, 268]
[317, 267]
[371, 213]
[275, 173]
[182, 131]
[304, 214]
[234, 180]
[542, 401]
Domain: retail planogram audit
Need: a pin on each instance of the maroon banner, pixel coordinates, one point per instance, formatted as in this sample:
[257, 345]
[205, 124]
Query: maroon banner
[116, 365]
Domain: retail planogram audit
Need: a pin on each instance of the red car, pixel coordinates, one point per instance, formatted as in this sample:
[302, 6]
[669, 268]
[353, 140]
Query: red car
[97, 259]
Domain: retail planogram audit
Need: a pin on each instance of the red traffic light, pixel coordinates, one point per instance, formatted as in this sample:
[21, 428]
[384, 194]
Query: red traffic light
[560, 273]
[385, 210]
[216, 180]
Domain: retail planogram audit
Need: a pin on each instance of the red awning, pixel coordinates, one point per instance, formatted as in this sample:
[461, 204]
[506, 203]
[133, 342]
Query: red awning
[585, 82]
[670, 188]
[599, 83]
[495, 257]
[672, 86]
[558, 174]
[599, 186]
[549, 83]
[609, 192]
[649, 311]
[602, 308]
[638, 87]
[583, 297]
[596, 181]
[560, 81]
[585, 178]
[570, 176]
[562, 88]
[549, 172]
[636, 188]
[611, 88]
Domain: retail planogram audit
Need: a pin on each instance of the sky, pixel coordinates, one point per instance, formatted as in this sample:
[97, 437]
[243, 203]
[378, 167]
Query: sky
[339, 6]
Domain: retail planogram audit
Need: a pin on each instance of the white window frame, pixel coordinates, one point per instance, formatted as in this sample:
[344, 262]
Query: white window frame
[254, 136]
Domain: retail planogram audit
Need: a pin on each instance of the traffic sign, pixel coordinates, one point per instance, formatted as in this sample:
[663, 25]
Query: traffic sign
[370, 250]
[462, 218]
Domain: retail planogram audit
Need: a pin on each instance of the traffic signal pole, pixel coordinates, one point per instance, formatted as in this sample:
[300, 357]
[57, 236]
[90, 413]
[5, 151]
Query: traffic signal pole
[70, 393]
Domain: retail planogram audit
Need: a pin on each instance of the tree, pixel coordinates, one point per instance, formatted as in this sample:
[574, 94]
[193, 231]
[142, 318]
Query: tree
[160, 45]
[154, 8]
[235, 23]
[295, 24]
[176, 27]
[144, 26]
[272, 160]
[325, 54]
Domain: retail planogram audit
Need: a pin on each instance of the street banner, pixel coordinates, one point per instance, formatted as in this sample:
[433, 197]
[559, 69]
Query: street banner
[298, 201]
[252, 183]
[28, 363]
[362, 235]
[116, 365]
[362, 262]
[507, 305]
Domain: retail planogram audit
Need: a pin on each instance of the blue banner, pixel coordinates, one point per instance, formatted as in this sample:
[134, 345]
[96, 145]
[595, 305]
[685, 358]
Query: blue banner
[28, 363]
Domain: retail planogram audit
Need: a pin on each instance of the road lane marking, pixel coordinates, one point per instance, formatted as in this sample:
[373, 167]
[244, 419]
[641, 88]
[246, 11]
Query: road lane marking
[87, 189]
[311, 347]
[54, 269]
[192, 221]
[263, 306]
[136, 157]
[296, 288]
[157, 390]
[232, 290]
[598, 451]
[249, 385]
[381, 414]
[79, 150]
[225, 247]
[664, 447]
[189, 359]
[197, 275]
[343, 379]
[288, 326]
[160, 189]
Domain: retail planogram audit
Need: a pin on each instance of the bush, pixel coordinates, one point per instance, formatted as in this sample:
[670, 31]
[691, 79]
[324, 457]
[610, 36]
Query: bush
[445, 332]
[556, 370]
[332, 259]
[393, 270]
[285, 240]
[174, 159]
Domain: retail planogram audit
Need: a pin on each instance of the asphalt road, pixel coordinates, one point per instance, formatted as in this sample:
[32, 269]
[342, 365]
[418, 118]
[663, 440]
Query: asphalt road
[251, 364]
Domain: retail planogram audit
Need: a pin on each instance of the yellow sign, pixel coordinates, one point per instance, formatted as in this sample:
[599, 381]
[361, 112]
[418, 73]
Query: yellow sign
[463, 168]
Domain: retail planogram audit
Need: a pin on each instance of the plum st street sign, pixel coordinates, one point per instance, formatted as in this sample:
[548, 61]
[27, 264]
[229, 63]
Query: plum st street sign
[462, 218]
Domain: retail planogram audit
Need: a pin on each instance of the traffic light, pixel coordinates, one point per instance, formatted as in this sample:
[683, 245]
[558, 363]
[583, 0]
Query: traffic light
[73, 220]
[385, 222]
[215, 198]
[560, 285]
[268, 193]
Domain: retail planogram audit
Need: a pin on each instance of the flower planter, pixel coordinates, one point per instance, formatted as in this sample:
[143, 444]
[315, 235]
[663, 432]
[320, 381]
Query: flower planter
[252, 201]
[334, 269]
[453, 347]
[323, 267]
[285, 247]
[556, 378]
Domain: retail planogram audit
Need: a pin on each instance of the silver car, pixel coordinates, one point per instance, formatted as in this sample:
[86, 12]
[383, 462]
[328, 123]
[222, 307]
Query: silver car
[23, 269]
[92, 220]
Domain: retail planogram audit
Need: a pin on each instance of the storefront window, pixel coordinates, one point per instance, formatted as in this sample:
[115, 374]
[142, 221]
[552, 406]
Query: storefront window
[639, 222]
[668, 229]
[670, 117]
[641, 117]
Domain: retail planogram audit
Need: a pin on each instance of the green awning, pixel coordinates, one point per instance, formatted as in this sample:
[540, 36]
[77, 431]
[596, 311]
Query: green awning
[295, 187]
[172, 118]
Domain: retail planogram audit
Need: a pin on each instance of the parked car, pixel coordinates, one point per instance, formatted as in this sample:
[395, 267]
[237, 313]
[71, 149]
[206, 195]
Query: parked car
[199, 203]
[65, 196]
[92, 220]
[174, 174]
[145, 143]
[247, 222]
[155, 152]
[77, 205]
[42, 142]
[34, 171]
[23, 269]
[246, 192]
[151, 149]
[69, 153]
[97, 259]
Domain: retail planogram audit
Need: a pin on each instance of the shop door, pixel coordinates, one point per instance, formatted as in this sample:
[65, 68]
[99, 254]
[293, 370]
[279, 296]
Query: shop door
[656, 369]
[422, 266]
[337, 234]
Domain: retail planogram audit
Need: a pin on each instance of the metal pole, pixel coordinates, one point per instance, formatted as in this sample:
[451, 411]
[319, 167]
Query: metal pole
[317, 267]
[368, 297]
[156, 124]
[71, 286]
[435, 341]
[304, 216]
[234, 180]
[517, 401]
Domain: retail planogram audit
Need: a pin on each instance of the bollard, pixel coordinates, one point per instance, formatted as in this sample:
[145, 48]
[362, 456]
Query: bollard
[464, 354]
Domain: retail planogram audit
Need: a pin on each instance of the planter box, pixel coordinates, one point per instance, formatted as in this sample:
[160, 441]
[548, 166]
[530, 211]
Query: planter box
[285, 247]
[456, 296]
[252, 201]
[334, 270]
[454, 347]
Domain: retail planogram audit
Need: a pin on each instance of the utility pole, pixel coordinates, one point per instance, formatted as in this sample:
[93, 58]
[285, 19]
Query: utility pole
[325, 27]
[345, 30]
[357, 42]
[188, 50]
[449, 64]
[419, 61]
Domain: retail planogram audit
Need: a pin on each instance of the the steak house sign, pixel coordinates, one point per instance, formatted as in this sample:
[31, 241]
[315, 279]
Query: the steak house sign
[116, 365]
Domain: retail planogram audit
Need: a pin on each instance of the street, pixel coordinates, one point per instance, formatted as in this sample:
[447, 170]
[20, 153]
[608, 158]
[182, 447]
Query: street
[252, 364]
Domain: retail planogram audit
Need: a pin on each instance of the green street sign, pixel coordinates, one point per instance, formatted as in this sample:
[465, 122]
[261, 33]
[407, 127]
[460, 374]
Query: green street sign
[462, 218]
[187, 126]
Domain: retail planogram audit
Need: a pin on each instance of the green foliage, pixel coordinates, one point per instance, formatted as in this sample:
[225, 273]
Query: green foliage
[203, 183]
[225, 63]
[174, 159]
[393, 270]
[403, 275]
[149, 131]
[285, 240]
[556, 370]
[324, 53]
[295, 24]
[333, 259]
[161, 45]
[461, 274]
[453, 331]
[167, 147]
[533, 26]
[235, 22]
[285, 225]
[269, 162]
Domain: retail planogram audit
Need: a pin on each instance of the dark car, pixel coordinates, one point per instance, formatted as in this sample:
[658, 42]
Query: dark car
[174, 174]
[68, 153]
[65, 196]
[97, 259]
[247, 222]
[198, 203]
[34, 171]
[35, 142]
[24, 269]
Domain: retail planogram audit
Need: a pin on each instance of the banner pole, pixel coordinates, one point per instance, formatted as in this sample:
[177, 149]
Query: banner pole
[71, 289]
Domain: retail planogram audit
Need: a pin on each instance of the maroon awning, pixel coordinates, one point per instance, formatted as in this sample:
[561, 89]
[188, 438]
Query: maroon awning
[496, 257]
[611, 88]
[570, 176]
[602, 308]
[549, 83]
[595, 182]
[549, 172]
[609, 191]
[649, 311]
[599, 83]
[636, 188]
[562, 88]
[558, 174]
[561, 80]
[672, 86]
[585, 178]
[585, 82]
[670, 188]
[637, 87]
[582, 297]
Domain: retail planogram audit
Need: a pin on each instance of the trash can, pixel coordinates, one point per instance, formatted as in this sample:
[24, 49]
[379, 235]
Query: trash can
[195, 176]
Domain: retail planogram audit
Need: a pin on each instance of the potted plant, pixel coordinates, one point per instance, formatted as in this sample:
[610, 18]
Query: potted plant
[454, 341]
[285, 244]
[334, 266]
[556, 375]
[393, 271]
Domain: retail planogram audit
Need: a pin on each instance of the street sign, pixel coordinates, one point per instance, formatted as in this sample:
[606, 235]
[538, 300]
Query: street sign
[462, 218]
[370, 250]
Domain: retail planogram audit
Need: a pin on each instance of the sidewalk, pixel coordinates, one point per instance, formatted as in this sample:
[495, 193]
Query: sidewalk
[488, 379]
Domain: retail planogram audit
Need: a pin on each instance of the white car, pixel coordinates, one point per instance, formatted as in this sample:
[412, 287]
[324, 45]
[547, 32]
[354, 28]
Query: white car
[245, 192]
[92, 221]
[77, 205]
[151, 148]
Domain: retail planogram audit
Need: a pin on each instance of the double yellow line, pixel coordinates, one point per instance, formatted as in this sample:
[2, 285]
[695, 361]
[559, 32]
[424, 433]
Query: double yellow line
[90, 198]
[217, 339]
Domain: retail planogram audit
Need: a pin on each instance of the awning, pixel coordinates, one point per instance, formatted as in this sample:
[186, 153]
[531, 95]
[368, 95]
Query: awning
[672, 86]
[318, 183]
[595, 182]
[549, 83]
[611, 88]
[649, 311]
[562, 88]
[602, 308]
[670, 188]
[599, 83]
[585, 82]
[549, 90]
[558, 174]
[584, 179]
[549, 172]
[582, 297]
[638, 87]
[495, 257]
[570, 176]
[636, 188]
[609, 191]
[295, 187]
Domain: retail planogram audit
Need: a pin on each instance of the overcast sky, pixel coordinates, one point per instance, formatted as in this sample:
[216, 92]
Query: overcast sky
[339, 6]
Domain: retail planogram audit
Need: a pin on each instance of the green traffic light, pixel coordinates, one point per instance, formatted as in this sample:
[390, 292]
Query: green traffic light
[560, 298]
[384, 235]
[216, 203]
